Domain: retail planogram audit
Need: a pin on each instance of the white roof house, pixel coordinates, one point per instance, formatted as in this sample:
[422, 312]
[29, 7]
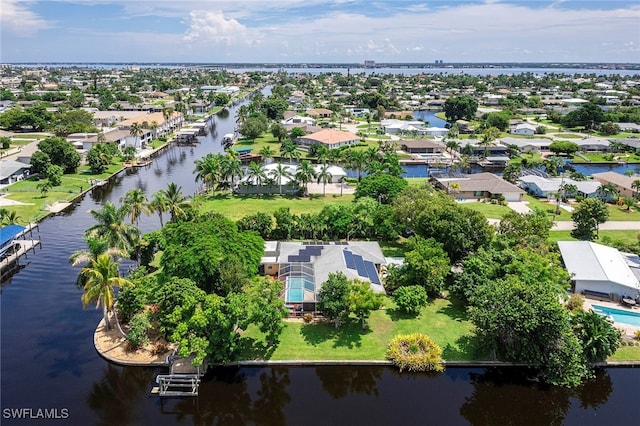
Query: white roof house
[523, 129]
[545, 187]
[527, 145]
[600, 269]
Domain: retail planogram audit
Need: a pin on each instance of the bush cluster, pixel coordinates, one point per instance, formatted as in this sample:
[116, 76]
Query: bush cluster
[138, 328]
[415, 352]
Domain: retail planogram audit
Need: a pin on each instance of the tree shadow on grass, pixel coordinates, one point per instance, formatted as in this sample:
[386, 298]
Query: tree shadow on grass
[456, 310]
[397, 314]
[349, 335]
[465, 348]
[251, 348]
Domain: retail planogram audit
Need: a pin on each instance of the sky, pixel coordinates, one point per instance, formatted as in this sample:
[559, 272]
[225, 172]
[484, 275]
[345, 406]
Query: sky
[319, 31]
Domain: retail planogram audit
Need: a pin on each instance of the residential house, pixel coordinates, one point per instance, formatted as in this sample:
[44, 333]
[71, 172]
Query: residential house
[593, 144]
[598, 270]
[527, 145]
[525, 129]
[477, 186]
[479, 150]
[298, 121]
[421, 146]
[331, 138]
[622, 182]
[320, 113]
[12, 171]
[549, 186]
[303, 267]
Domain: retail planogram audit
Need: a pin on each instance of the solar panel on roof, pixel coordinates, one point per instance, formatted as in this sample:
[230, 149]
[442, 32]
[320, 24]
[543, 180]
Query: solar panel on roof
[371, 272]
[360, 266]
[293, 258]
[348, 259]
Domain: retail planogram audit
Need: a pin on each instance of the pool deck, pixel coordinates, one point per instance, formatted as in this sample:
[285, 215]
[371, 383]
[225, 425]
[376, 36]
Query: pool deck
[628, 331]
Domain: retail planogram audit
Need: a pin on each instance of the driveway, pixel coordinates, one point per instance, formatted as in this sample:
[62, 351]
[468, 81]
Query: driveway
[519, 206]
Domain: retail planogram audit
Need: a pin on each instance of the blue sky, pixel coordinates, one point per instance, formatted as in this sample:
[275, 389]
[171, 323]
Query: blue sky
[327, 31]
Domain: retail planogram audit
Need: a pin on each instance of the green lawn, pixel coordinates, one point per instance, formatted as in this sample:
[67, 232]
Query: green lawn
[548, 207]
[626, 353]
[26, 191]
[236, 207]
[447, 324]
[627, 237]
[491, 211]
[620, 213]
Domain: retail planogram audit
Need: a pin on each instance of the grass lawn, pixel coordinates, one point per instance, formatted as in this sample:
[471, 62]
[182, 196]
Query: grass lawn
[491, 211]
[236, 207]
[626, 353]
[625, 236]
[446, 323]
[568, 136]
[620, 213]
[417, 182]
[547, 207]
[26, 191]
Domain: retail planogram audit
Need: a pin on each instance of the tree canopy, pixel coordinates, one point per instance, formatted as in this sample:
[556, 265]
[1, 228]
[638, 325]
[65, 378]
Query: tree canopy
[460, 107]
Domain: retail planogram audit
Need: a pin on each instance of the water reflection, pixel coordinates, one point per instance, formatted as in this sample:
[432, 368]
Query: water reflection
[340, 382]
[116, 396]
[506, 396]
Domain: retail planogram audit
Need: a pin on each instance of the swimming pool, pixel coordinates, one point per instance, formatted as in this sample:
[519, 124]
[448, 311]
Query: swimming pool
[624, 317]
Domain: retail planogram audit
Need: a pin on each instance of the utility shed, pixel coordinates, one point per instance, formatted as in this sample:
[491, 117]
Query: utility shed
[596, 268]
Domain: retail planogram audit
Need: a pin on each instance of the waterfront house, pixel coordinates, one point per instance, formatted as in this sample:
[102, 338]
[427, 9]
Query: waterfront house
[479, 150]
[12, 171]
[630, 144]
[622, 182]
[421, 146]
[477, 186]
[304, 266]
[320, 113]
[548, 187]
[331, 138]
[593, 144]
[598, 270]
[298, 121]
[393, 126]
[526, 144]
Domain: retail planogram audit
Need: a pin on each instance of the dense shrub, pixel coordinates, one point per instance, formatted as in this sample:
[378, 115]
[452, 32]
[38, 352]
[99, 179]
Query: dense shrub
[138, 328]
[415, 352]
[575, 302]
[410, 299]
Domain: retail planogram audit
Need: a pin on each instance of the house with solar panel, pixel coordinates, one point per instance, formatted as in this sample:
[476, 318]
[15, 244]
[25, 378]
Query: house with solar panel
[304, 266]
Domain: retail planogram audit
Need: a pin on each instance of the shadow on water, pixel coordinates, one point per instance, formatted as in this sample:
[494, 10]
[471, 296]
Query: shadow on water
[506, 396]
[341, 382]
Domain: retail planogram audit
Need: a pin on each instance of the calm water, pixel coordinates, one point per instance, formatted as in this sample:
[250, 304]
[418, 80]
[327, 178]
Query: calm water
[48, 360]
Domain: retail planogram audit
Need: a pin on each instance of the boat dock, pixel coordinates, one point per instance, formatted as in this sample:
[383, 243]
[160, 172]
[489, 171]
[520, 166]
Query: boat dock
[187, 136]
[15, 242]
[183, 378]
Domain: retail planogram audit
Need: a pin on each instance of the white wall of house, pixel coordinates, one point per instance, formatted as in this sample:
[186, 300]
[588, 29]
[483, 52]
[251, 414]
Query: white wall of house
[604, 287]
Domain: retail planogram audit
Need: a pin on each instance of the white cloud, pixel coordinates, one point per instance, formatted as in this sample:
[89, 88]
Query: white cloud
[213, 27]
[15, 17]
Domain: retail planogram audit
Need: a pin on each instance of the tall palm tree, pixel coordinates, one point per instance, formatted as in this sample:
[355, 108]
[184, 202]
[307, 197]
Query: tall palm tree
[135, 203]
[176, 201]
[305, 174]
[488, 138]
[452, 145]
[267, 152]
[231, 168]
[357, 160]
[100, 278]
[256, 173]
[281, 171]
[289, 150]
[322, 154]
[158, 204]
[209, 170]
[136, 131]
[325, 177]
[111, 227]
[9, 217]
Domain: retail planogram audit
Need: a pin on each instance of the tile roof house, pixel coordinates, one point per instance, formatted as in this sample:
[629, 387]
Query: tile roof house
[320, 112]
[477, 186]
[622, 182]
[330, 138]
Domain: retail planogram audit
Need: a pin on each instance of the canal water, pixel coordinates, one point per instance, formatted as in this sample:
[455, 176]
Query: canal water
[48, 360]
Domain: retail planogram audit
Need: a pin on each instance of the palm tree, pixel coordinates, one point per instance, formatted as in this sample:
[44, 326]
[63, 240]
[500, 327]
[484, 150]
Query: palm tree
[266, 152]
[176, 201]
[636, 185]
[305, 174]
[158, 204]
[209, 170]
[289, 150]
[357, 160]
[100, 278]
[135, 203]
[278, 173]
[9, 217]
[324, 176]
[490, 135]
[322, 154]
[607, 191]
[136, 131]
[231, 168]
[111, 227]
[452, 145]
[256, 174]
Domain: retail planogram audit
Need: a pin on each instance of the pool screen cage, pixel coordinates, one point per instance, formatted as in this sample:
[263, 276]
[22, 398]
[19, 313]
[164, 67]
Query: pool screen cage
[299, 283]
